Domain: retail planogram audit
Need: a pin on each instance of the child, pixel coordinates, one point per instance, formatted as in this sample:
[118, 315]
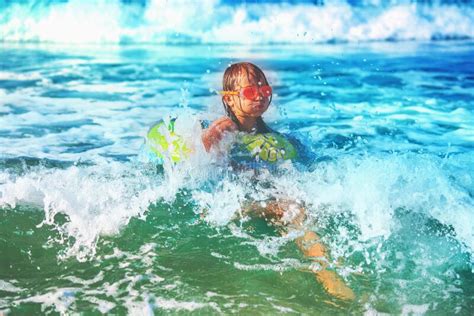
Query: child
[246, 96]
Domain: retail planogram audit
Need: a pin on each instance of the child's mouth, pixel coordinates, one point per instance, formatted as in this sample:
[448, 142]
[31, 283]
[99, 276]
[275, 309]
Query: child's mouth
[257, 105]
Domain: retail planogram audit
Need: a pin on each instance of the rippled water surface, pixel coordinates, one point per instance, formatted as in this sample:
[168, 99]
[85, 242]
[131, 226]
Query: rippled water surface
[87, 224]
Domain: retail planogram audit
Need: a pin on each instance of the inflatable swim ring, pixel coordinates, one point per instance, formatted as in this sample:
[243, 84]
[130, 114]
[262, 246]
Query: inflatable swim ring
[267, 147]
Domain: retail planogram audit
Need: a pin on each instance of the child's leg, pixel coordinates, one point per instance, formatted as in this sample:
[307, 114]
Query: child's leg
[311, 246]
[290, 214]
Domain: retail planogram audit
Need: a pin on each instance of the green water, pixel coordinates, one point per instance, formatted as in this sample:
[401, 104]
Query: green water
[171, 260]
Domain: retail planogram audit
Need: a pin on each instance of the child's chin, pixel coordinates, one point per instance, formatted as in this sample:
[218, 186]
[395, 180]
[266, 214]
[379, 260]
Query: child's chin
[257, 113]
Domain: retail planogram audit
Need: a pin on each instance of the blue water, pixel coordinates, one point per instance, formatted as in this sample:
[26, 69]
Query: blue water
[380, 94]
[390, 191]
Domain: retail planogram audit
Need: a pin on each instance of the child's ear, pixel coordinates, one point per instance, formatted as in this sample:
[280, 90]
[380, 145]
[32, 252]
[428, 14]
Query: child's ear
[228, 100]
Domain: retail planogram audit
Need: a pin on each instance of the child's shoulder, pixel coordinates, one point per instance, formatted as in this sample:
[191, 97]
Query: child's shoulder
[205, 124]
[215, 131]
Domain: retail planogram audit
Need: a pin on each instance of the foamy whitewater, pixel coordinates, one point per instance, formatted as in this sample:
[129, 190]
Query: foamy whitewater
[90, 224]
[219, 21]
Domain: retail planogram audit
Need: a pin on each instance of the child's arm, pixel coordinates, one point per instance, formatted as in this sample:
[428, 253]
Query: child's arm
[213, 135]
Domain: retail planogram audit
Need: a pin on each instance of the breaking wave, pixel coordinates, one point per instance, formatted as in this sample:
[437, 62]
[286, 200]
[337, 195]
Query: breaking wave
[223, 22]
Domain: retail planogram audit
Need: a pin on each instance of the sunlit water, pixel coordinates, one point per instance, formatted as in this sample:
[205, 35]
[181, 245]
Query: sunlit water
[87, 224]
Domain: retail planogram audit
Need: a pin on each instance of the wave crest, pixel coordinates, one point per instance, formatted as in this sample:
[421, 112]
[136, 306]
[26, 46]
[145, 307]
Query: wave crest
[216, 22]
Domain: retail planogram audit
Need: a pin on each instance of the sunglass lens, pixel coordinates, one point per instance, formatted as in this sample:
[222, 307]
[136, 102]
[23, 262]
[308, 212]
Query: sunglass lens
[250, 92]
[266, 91]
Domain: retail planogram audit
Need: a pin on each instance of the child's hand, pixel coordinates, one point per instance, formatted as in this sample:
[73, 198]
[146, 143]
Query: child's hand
[215, 132]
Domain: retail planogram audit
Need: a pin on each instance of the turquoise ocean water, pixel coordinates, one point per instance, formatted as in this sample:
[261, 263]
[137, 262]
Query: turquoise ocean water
[382, 95]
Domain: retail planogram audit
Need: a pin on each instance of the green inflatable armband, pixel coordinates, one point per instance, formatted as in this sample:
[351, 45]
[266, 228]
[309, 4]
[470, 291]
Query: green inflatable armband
[164, 142]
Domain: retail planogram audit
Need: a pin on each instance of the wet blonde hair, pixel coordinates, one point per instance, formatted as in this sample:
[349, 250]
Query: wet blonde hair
[235, 71]
[230, 80]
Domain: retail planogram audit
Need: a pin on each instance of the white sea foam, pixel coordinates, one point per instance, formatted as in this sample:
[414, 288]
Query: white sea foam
[98, 278]
[415, 309]
[101, 199]
[172, 304]
[102, 305]
[211, 21]
[6, 75]
[370, 188]
[60, 299]
[97, 200]
[286, 265]
[8, 287]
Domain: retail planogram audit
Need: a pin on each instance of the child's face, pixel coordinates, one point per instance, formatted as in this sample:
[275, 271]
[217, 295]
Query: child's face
[244, 107]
